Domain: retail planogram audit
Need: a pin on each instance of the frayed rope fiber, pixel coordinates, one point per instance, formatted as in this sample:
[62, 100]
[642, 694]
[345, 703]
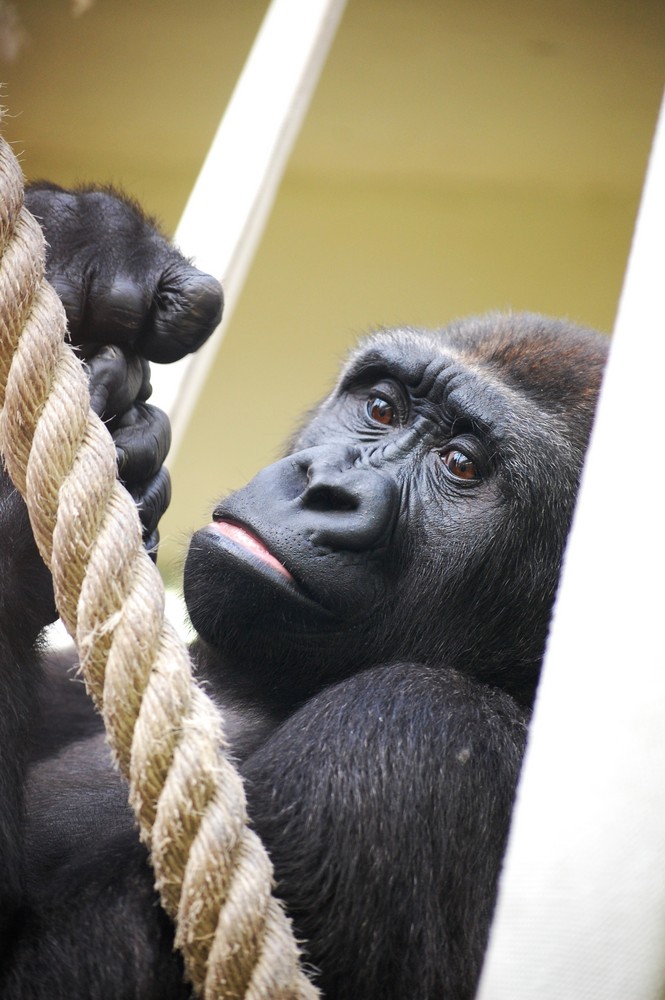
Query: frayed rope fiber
[212, 873]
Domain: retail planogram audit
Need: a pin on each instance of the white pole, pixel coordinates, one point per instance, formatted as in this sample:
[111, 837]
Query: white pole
[230, 202]
[581, 912]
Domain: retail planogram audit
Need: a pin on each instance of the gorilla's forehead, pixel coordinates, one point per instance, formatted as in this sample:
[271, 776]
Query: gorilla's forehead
[492, 365]
[437, 374]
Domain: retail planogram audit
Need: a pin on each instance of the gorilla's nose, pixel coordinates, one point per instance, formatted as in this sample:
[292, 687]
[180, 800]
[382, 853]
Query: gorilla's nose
[351, 506]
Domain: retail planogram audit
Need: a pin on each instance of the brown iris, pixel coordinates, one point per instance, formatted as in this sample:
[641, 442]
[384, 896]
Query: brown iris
[381, 411]
[459, 465]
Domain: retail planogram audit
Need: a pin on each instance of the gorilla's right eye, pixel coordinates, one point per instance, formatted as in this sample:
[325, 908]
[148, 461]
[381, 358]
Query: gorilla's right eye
[381, 411]
[460, 465]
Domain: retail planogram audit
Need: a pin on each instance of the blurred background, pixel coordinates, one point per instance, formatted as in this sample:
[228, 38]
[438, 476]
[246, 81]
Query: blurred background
[459, 155]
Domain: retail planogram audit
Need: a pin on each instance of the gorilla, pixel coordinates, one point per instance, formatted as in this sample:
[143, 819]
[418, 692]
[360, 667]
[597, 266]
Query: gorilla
[371, 611]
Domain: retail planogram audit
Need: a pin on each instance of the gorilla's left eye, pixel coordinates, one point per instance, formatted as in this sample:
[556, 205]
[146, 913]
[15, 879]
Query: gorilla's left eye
[460, 465]
[381, 411]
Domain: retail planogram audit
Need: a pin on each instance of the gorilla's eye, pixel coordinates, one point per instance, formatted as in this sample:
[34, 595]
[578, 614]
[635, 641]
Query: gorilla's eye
[381, 411]
[460, 465]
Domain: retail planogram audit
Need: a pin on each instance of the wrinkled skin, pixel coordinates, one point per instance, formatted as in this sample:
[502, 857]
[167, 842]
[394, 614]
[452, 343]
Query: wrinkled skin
[372, 612]
[137, 292]
[122, 309]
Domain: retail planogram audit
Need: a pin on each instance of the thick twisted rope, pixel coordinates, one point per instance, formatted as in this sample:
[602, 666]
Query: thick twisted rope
[212, 873]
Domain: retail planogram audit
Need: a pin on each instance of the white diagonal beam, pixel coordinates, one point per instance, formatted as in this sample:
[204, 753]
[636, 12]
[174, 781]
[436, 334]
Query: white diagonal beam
[230, 202]
[581, 912]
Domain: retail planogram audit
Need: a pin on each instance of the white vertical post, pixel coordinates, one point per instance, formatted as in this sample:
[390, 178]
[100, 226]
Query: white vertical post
[581, 912]
[230, 202]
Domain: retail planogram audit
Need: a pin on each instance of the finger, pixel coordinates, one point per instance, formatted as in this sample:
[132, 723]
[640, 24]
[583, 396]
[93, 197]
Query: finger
[142, 439]
[114, 313]
[186, 309]
[151, 543]
[72, 295]
[152, 499]
[115, 379]
[145, 392]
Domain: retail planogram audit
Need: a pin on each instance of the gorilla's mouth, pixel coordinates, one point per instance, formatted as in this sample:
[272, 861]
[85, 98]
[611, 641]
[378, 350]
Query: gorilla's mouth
[251, 543]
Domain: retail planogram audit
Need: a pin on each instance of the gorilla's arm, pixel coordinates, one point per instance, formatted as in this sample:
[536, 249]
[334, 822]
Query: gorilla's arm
[122, 298]
[90, 924]
[25, 590]
[384, 803]
[106, 937]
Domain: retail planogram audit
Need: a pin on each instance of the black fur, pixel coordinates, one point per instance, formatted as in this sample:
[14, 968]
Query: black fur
[372, 612]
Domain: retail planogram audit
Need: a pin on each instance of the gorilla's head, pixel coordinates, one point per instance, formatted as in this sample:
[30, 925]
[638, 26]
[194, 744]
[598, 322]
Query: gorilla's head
[420, 514]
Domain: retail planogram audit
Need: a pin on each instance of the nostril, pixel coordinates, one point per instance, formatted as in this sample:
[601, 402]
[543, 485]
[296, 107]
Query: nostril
[344, 505]
[329, 497]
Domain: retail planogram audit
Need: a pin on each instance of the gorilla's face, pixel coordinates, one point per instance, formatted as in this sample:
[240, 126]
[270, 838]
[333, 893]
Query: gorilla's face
[420, 516]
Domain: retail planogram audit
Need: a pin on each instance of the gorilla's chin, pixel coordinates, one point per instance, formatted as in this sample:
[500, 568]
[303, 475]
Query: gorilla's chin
[232, 581]
[256, 618]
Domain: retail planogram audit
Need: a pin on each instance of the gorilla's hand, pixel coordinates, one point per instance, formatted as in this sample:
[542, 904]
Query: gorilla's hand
[122, 284]
[119, 279]
[119, 387]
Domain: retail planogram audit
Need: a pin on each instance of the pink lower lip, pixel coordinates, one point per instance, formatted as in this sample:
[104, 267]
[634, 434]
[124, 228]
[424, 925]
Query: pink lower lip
[251, 543]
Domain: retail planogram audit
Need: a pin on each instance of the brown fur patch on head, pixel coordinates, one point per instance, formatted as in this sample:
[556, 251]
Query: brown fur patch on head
[555, 362]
